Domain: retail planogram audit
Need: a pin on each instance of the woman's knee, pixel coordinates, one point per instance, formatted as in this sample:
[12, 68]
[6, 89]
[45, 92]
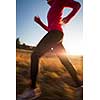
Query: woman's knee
[35, 55]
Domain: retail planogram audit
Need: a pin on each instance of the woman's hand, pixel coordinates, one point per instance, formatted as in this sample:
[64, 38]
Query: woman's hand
[37, 19]
[65, 20]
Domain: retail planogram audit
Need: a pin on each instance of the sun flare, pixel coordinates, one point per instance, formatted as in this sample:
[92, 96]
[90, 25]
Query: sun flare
[73, 48]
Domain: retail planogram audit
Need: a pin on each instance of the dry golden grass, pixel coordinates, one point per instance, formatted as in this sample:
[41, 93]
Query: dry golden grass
[53, 78]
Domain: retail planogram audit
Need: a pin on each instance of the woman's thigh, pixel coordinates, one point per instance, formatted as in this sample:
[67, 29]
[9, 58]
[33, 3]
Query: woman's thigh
[50, 40]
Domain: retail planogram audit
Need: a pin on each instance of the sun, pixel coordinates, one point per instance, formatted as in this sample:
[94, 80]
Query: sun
[72, 48]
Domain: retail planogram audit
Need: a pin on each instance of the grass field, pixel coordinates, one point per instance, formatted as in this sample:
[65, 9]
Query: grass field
[53, 79]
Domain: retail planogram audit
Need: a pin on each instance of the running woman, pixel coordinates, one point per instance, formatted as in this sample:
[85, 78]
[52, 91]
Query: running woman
[53, 39]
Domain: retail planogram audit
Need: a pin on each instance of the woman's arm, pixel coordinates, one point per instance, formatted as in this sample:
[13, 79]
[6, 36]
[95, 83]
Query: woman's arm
[71, 4]
[38, 20]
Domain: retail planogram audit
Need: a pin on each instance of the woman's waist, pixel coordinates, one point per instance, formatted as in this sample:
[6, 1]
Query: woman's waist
[55, 27]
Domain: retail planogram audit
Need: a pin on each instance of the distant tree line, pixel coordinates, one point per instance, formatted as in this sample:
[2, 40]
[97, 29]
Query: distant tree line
[23, 46]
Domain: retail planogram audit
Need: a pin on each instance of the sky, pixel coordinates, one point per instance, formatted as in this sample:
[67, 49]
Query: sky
[31, 33]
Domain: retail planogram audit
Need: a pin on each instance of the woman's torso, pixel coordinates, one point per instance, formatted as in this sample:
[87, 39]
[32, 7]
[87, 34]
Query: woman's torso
[55, 16]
